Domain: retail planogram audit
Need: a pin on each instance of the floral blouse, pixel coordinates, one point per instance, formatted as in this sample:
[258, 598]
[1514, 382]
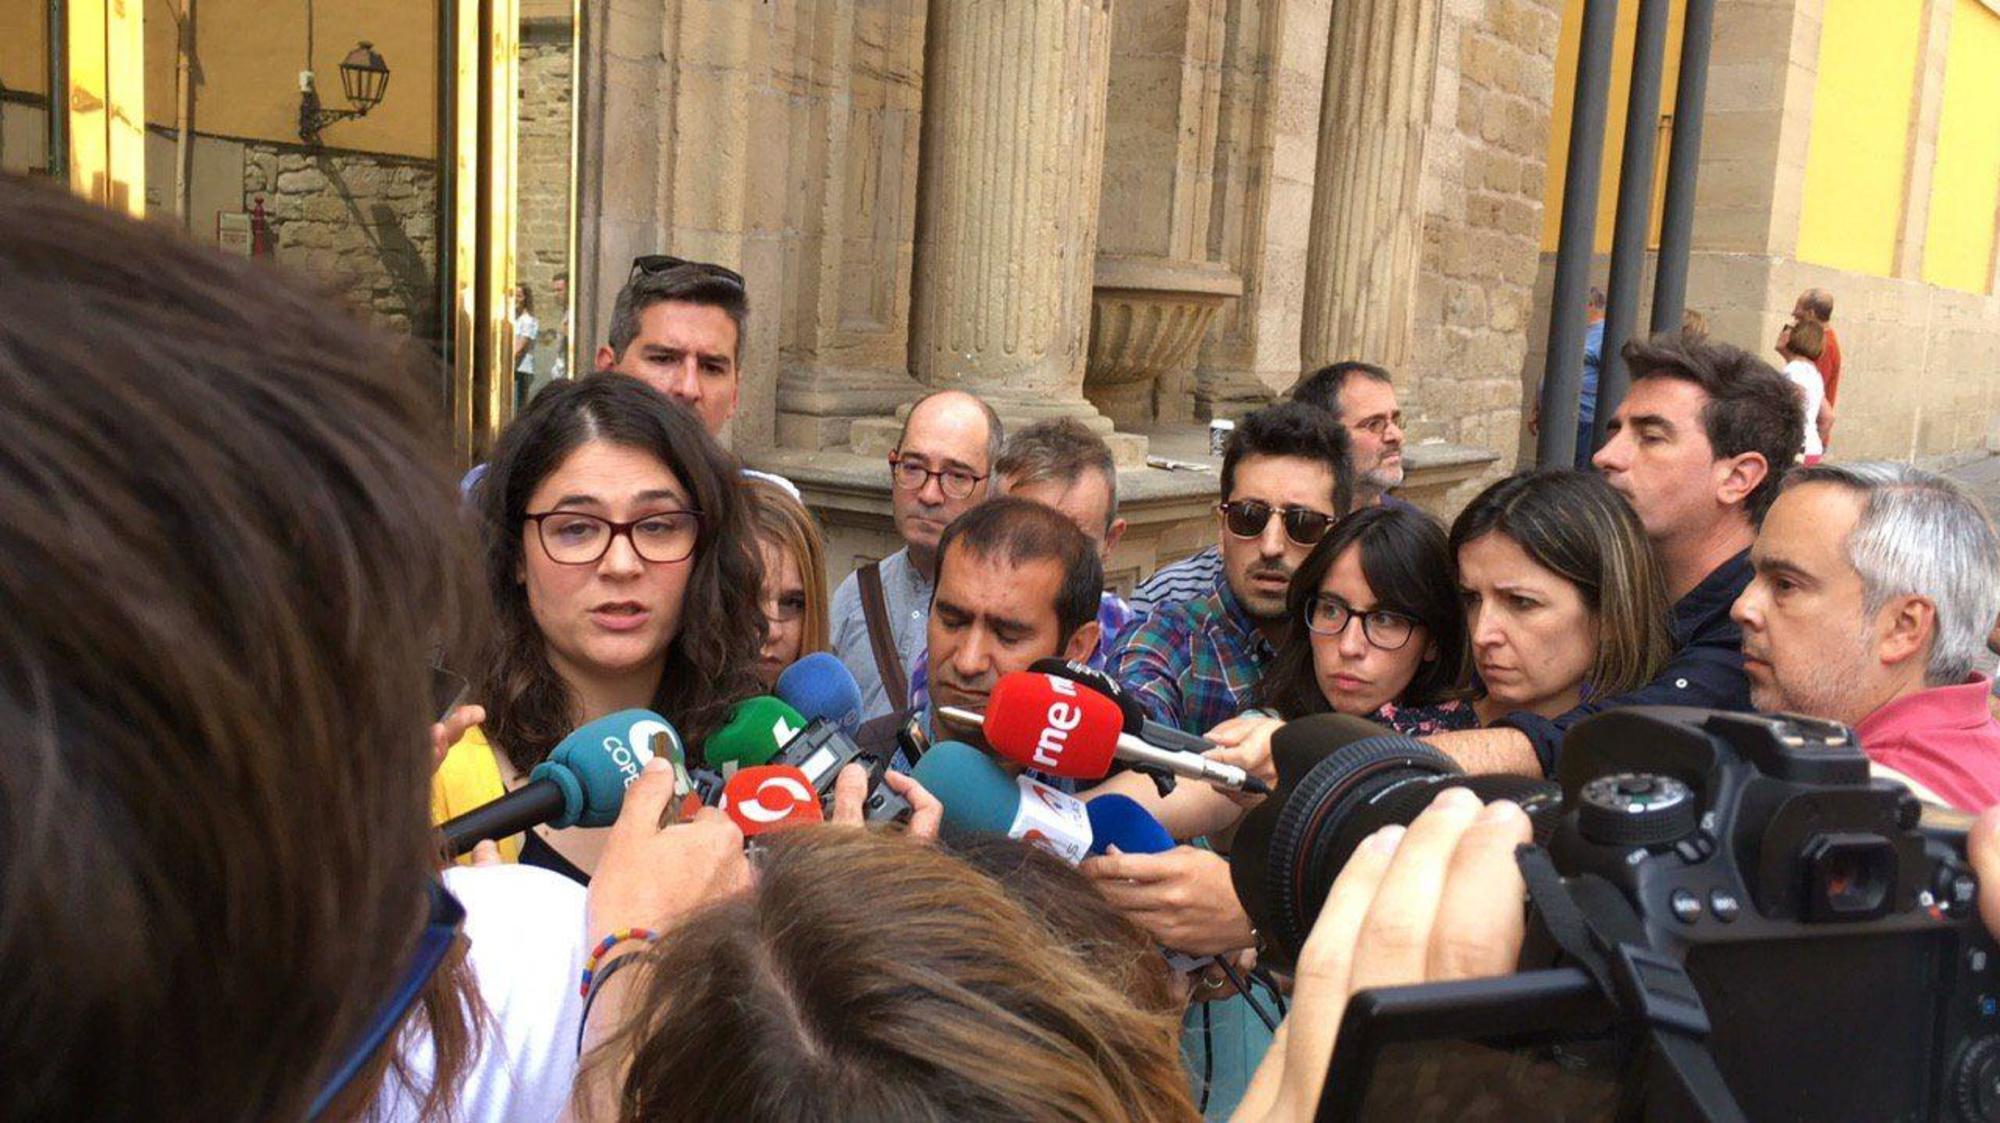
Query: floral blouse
[1422, 721]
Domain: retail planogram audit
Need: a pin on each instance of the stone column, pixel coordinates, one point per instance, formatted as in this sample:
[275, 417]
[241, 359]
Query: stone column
[1366, 239]
[1013, 145]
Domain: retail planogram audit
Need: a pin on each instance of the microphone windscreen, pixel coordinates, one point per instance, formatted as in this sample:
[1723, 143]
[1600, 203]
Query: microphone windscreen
[976, 794]
[770, 797]
[599, 759]
[1118, 820]
[1083, 674]
[757, 728]
[821, 686]
[1053, 725]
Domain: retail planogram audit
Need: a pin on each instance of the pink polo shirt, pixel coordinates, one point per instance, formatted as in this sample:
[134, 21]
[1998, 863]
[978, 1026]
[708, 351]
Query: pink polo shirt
[1943, 738]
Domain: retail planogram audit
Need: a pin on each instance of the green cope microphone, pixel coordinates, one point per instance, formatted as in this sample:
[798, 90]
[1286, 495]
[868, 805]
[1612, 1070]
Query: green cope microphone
[757, 728]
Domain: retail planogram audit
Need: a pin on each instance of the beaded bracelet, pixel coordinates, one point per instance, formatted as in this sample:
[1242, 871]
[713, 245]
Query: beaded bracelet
[602, 980]
[646, 935]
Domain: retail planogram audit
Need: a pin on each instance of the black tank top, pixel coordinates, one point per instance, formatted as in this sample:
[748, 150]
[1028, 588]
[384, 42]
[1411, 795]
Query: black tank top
[536, 852]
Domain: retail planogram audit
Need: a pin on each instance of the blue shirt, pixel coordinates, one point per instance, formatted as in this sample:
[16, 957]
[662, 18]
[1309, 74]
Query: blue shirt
[1706, 670]
[1593, 361]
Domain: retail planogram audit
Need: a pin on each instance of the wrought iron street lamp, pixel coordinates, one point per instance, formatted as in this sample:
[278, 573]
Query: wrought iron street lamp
[364, 77]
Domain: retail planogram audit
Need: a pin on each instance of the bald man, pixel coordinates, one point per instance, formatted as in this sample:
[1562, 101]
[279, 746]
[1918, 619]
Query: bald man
[1817, 305]
[939, 470]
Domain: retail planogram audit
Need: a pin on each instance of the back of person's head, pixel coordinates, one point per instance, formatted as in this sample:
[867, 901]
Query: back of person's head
[1806, 339]
[1408, 564]
[1060, 450]
[1694, 326]
[711, 663]
[1573, 525]
[1321, 389]
[1922, 534]
[1018, 531]
[782, 521]
[1292, 429]
[1751, 407]
[230, 545]
[690, 282]
[867, 977]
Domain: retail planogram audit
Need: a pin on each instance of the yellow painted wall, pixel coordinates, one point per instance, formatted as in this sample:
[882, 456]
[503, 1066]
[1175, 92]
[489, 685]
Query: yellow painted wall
[24, 45]
[1965, 183]
[1857, 154]
[250, 53]
[1614, 121]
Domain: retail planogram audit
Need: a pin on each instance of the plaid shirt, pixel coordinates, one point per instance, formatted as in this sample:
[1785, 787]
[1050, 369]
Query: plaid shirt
[1114, 619]
[1195, 665]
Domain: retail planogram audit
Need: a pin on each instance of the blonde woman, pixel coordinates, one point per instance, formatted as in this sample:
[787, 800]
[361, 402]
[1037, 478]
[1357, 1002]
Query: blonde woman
[794, 591]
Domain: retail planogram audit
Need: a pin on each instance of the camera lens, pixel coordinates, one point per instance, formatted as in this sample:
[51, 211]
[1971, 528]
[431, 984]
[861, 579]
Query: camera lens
[1284, 865]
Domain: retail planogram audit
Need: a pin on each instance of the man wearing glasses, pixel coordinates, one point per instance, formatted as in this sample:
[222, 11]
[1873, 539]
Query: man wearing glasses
[1285, 478]
[939, 470]
[1361, 397]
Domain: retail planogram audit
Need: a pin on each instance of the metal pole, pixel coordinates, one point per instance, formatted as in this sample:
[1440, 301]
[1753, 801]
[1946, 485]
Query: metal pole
[1670, 269]
[1562, 372]
[58, 163]
[1635, 199]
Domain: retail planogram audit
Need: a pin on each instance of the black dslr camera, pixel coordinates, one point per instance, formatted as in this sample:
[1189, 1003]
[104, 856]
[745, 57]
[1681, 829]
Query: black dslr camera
[1729, 919]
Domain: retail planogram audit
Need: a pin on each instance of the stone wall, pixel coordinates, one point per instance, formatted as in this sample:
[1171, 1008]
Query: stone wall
[541, 210]
[365, 225]
[1483, 201]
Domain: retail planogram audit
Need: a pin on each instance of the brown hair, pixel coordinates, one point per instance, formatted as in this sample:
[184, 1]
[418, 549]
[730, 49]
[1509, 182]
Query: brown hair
[784, 522]
[1750, 408]
[230, 548]
[867, 977]
[1059, 450]
[1694, 326]
[1018, 531]
[1806, 339]
[712, 661]
[1573, 525]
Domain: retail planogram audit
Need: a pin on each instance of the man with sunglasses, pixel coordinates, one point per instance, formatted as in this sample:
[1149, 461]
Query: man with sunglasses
[677, 326]
[1361, 397]
[940, 469]
[1286, 477]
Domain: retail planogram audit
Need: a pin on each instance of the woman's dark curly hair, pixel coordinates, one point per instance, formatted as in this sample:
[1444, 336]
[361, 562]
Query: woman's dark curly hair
[1408, 564]
[712, 662]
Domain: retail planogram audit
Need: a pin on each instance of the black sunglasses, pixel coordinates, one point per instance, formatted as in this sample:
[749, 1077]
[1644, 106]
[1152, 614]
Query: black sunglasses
[661, 262]
[440, 932]
[1247, 519]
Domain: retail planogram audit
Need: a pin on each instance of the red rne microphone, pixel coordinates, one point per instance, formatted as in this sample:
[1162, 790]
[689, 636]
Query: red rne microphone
[770, 797]
[1053, 725]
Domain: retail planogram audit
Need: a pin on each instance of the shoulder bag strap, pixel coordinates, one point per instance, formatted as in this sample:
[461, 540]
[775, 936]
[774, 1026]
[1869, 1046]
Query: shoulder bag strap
[881, 637]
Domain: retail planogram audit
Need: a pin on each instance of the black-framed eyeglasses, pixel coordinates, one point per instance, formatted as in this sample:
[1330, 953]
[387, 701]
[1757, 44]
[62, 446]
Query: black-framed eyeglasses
[661, 262]
[912, 475]
[1379, 423]
[1247, 518]
[1329, 616]
[447, 916]
[574, 538]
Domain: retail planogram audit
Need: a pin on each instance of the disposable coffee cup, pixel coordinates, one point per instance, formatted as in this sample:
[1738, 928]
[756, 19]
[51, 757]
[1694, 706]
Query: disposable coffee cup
[1218, 435]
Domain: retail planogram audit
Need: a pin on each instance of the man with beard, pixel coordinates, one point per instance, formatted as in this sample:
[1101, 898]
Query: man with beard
[1361, 397]
[1875, 586]
[1285, 478]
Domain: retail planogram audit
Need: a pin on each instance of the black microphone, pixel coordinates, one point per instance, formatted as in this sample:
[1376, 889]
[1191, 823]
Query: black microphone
[582, 783]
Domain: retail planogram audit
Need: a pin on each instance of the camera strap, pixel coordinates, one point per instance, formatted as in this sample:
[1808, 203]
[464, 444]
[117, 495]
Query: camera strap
[1595, 928]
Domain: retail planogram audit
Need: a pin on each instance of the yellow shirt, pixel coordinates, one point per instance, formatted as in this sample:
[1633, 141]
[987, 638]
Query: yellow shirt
[469, 778]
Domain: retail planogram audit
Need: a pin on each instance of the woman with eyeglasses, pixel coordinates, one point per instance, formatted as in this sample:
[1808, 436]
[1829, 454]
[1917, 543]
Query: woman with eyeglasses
[1564, 600]
[621, 562]
[1377, 630]
[794, 591]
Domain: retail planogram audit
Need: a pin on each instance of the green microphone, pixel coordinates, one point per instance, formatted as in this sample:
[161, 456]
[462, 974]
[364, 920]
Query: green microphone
[757, 728]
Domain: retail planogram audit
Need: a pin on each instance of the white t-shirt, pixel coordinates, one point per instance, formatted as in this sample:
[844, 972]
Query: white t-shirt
[526, 927]
[526, 327]
[1803, 372]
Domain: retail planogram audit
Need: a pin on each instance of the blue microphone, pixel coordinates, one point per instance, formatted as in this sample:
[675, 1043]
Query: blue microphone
[821, 686]
[1118, 820]
[581, 784]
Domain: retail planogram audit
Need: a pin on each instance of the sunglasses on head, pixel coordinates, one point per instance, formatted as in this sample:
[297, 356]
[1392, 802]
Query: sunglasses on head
[661, 262]
[1247, 518]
